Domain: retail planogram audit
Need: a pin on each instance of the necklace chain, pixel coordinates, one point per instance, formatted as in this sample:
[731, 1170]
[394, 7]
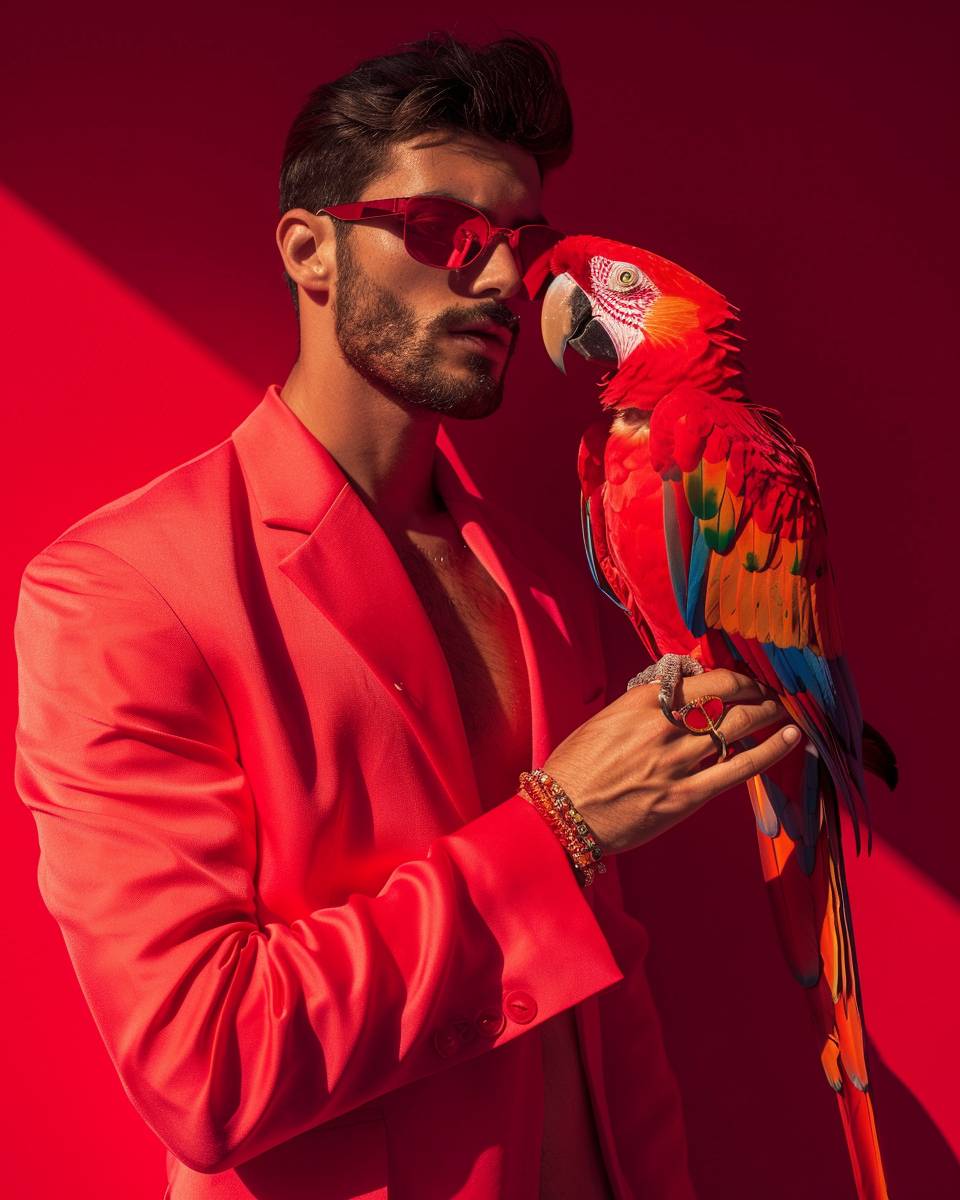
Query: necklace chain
[441, 557]
[445, 555]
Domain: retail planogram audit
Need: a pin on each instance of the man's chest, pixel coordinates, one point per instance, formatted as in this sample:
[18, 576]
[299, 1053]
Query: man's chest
[477, 630]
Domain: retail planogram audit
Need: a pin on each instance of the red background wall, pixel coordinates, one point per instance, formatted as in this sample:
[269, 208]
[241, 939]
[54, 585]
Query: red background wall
[794, 156]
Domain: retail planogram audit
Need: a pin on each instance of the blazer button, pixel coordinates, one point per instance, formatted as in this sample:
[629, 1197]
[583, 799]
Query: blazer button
[490, 1023]
[446, 1042]
[520, 1007]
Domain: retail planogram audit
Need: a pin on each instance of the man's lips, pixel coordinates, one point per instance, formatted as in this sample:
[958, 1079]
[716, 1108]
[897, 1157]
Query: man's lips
[485, 334]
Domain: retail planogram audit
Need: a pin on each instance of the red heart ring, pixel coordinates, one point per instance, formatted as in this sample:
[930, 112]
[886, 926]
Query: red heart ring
[704, 716]
[700, 715]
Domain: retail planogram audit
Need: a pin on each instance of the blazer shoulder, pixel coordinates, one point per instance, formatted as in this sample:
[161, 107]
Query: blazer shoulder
[186, 506]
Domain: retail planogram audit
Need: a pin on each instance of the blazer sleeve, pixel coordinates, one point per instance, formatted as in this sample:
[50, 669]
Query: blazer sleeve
[231, 1035]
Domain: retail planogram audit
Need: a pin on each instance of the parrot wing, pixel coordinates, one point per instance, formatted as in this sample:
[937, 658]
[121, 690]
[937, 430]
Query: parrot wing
[753, 567]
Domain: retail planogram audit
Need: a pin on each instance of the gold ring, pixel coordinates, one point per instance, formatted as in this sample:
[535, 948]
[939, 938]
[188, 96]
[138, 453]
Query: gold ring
[703, 716]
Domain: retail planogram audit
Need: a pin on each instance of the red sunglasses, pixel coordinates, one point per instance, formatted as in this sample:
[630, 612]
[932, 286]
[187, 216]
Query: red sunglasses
[445, 233]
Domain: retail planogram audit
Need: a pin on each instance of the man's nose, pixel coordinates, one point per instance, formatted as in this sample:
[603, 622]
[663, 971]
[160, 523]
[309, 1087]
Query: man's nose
[497, 273]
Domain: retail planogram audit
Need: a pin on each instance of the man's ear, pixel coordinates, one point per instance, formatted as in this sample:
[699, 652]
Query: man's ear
[307, 247]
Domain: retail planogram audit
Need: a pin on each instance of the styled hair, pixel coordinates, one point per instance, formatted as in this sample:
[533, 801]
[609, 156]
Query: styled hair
[509, 90]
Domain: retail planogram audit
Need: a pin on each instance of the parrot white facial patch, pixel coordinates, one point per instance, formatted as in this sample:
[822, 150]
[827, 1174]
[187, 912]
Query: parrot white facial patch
[621, 294]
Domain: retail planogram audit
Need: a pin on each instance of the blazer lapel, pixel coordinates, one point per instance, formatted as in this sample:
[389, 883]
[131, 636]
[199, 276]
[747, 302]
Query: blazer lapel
[348, 568]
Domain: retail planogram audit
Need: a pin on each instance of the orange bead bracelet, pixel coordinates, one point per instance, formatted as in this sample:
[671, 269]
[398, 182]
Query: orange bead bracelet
[575, 835]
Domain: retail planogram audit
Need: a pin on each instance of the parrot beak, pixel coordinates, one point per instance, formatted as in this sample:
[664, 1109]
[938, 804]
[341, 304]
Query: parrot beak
[567, 319]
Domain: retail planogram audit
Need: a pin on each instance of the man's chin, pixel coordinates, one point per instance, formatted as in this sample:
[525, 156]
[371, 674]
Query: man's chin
[477, 407]
[467, 392]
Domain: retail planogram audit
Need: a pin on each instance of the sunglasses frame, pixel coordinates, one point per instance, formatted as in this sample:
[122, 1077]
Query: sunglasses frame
[397, 206]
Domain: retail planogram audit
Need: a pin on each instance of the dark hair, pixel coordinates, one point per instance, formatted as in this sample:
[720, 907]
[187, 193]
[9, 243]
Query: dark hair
[509, 90]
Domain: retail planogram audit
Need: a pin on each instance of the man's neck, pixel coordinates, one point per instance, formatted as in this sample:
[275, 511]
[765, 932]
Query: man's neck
[385, 451]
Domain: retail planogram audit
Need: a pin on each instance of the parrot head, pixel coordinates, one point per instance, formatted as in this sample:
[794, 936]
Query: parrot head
[654, 323]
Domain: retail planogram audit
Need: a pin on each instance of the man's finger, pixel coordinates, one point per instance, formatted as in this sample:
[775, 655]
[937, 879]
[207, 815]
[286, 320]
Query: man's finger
[730, 686]
[738, 722]
[751, 760]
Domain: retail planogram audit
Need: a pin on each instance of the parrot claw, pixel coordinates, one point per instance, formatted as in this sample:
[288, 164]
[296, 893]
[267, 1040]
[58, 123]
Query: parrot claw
[667, 671]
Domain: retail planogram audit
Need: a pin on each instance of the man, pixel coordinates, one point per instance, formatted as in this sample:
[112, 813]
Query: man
[274, 706]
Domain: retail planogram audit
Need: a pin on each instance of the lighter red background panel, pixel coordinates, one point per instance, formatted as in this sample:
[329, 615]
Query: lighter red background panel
[792, 157]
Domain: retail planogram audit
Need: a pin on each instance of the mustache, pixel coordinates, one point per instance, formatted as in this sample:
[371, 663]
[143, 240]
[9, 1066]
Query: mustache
[479, 314]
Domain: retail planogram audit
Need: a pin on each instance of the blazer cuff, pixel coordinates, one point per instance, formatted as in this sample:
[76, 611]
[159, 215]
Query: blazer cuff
[522, 883]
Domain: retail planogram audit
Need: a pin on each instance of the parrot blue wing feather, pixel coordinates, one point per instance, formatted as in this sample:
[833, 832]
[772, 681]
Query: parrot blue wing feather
[802, 670]
[828, 681]
[700, 554]
[598, 577]
[672, 538]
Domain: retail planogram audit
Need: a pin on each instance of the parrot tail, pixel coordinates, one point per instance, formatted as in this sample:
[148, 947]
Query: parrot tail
[878, 756]
[806, 884]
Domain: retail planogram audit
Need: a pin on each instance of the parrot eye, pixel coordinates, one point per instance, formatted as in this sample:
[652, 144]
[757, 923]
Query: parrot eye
[623, 276]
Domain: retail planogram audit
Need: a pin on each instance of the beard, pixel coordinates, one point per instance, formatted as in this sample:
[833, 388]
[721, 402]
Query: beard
[381, 338]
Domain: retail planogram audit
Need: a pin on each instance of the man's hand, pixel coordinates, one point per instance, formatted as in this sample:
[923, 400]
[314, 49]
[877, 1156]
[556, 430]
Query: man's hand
[632, 774]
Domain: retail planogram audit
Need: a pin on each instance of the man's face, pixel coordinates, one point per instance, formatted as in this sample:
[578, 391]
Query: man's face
[394, 316]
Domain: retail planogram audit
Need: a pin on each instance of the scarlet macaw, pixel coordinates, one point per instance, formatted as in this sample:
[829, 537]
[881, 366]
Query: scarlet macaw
[702, 520]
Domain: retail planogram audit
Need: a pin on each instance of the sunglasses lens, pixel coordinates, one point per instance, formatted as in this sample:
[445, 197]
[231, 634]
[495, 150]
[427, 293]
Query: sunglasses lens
[443, 233]
[535, 245]
[446, 233]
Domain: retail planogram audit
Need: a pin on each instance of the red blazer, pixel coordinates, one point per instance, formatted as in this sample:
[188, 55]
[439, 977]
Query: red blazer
[318, 962]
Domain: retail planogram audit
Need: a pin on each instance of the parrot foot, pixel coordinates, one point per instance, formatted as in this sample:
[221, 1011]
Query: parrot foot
[667, 671]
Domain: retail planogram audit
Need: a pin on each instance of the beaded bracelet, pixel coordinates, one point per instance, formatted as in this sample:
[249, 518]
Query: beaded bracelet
[576, 836]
